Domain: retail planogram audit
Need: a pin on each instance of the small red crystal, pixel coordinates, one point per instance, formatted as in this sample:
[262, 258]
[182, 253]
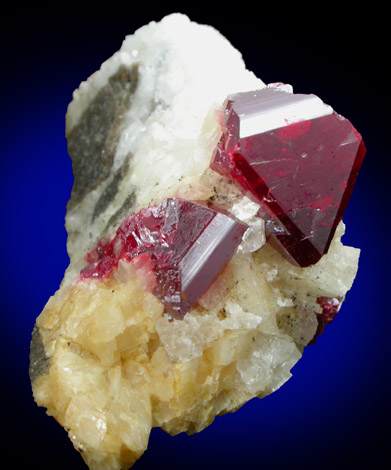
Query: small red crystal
[330, 308]
[296, 157]
[186, 244]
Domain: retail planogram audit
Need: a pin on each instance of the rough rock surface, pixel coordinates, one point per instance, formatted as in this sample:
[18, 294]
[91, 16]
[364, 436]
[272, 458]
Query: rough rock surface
[106, 361]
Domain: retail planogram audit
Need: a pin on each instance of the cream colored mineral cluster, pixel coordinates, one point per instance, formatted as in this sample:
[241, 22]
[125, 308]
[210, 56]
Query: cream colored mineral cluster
[106, 362]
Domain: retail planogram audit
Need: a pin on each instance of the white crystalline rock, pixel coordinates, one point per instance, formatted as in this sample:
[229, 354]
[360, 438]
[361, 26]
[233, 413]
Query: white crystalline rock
[254, 237]
[106, 361]
[271, 357]
[185, 72]
[331, 276]
[245, 209]
[186, 339]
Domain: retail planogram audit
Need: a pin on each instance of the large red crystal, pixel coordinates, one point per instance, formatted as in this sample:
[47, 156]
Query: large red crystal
[185, 243]
[295, 156]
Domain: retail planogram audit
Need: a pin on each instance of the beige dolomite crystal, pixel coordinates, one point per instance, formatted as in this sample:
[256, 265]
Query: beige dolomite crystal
[106, 361]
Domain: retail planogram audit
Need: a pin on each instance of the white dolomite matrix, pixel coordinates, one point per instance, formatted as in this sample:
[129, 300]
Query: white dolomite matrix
[182, 72]
[106, 360]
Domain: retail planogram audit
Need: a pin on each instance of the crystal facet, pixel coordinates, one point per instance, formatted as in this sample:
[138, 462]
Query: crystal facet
[186, 244]
[297, 157]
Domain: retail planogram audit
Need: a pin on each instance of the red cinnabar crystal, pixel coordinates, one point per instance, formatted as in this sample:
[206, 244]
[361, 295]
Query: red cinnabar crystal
[330, 308]
[186, 244]
[298, 158]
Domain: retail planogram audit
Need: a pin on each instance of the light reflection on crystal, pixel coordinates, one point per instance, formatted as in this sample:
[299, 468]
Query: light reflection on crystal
[187, 246]
[298, 158]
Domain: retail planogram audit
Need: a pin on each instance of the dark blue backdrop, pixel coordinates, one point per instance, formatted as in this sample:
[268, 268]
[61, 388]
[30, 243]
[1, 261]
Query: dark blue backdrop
[333, 413]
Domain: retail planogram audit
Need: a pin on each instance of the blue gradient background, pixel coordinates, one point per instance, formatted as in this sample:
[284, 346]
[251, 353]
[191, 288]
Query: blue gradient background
[334, 412]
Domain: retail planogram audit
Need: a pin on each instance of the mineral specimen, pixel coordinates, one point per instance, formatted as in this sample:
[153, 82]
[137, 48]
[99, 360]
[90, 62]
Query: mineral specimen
[174, 309]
